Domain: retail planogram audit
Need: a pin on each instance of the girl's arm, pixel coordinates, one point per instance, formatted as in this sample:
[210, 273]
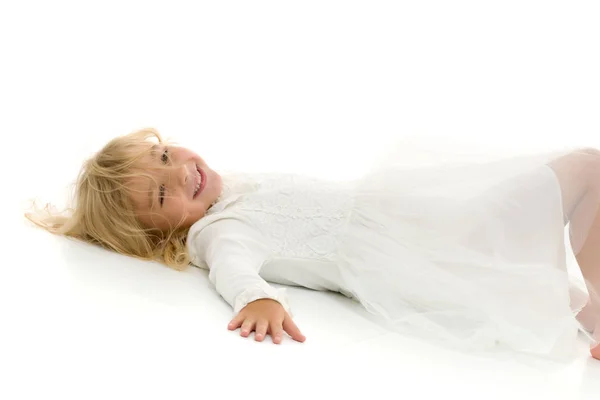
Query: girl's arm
[234, 254]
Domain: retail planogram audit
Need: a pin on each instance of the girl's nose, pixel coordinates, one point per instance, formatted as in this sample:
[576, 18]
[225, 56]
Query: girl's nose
[183, 175]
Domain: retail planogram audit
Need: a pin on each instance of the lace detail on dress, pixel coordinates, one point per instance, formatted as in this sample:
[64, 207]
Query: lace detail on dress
[300, 215]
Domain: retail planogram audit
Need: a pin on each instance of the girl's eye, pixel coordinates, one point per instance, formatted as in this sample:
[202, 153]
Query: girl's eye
[165, 156]
[161, 194]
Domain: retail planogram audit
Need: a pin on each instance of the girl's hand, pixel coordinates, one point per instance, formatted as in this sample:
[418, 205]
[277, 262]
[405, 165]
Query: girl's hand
[265, 316]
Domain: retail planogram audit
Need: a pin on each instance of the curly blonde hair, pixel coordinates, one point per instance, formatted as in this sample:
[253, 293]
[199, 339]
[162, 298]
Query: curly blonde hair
[104, 214]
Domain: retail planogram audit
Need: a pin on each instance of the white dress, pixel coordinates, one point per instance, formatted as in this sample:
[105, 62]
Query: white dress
[466, 255]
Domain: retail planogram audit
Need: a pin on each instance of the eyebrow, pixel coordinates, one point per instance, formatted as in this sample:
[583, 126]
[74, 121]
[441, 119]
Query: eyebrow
[151, 191]
[153, 151]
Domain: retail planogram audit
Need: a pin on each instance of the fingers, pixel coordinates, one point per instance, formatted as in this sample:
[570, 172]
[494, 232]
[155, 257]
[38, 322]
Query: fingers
[266, 321]
[236, 322]
[247, 327]
[290, 327]
[276, 331]
[261, 330]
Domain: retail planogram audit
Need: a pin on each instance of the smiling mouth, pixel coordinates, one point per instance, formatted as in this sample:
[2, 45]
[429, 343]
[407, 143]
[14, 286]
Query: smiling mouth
[200, 181]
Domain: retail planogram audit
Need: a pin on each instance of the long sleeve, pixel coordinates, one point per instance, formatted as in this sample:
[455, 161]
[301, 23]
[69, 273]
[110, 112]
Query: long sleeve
[234, 254]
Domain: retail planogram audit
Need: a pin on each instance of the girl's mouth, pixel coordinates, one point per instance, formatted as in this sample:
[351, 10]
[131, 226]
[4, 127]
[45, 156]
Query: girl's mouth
[200, 181]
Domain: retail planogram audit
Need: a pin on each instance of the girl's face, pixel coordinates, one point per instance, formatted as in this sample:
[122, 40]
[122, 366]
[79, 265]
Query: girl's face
[182, 193]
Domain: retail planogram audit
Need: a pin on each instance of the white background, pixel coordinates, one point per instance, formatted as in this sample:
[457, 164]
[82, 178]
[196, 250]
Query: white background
[320, 87]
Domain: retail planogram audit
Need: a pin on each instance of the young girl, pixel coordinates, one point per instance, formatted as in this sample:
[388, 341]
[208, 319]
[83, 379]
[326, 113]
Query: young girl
[466, 255]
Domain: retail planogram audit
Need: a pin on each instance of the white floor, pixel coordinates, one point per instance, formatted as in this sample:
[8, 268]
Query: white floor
[79, 322]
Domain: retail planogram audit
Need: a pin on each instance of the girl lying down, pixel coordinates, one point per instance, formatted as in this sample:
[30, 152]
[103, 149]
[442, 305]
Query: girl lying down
[466, 255]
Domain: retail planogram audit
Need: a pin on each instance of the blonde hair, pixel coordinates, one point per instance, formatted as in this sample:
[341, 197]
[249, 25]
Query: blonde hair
[104, 213]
